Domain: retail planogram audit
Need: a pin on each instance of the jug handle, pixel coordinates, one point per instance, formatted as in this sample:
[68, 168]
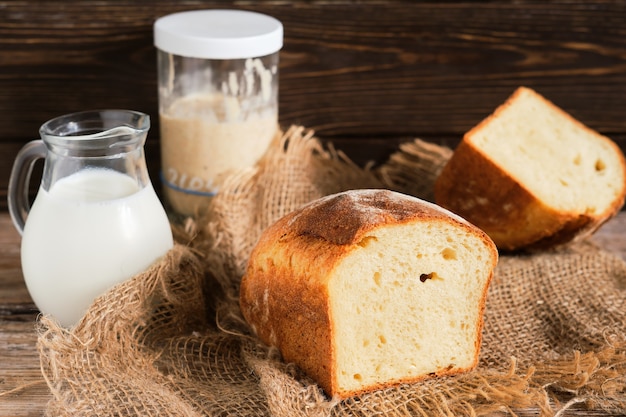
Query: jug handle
[19, 181]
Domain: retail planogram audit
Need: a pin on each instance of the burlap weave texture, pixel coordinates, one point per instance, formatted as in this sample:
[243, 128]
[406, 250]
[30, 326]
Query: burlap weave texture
[171, 341]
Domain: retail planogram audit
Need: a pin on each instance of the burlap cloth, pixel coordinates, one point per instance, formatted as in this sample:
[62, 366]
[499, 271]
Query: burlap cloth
[171, 341]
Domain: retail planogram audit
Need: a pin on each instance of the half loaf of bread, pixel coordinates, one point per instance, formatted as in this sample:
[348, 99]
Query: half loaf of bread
[533, 177]
[371, 288]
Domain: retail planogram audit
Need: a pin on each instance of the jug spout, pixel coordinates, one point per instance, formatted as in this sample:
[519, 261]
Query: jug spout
[93, 133]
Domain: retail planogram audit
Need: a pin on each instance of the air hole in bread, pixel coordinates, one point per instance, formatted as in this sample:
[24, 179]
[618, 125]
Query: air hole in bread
[366, 241]
[432, 275]
[357, 377]
[448, 254]
[600, 166]
[577, 159]
[563, 182]
[377, 278]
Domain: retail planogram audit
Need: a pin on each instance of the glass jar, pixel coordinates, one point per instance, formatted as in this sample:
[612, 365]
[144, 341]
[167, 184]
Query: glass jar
[218, 99]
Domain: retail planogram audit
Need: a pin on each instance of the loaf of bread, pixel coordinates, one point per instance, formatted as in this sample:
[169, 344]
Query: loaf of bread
[368, 289]
[532, 176]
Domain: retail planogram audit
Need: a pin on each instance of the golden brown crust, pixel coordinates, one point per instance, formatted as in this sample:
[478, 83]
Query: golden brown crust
[345, 218]
[279, 301]
[483, 194]
[284, 291]
[481, 191]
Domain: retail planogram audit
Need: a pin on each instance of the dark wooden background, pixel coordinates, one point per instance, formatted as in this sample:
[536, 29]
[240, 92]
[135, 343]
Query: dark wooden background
[366, 75]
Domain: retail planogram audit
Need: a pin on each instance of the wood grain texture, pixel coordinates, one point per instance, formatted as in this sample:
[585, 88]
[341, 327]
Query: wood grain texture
[366, 75]
[23, 391]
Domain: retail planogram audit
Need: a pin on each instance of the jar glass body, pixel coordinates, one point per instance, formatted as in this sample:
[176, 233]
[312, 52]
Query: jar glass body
[217, 116]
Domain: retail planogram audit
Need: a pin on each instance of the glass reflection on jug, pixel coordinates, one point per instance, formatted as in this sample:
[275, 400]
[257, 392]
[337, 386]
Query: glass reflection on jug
[96, 220]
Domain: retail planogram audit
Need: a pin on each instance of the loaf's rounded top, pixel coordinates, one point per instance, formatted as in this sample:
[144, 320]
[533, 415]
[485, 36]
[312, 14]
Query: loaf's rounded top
[218, 34]
[346, 217]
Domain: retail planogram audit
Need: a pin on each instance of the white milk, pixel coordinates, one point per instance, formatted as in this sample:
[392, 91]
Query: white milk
[92, 230]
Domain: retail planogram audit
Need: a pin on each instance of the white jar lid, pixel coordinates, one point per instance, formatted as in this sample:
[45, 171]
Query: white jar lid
[218, 34]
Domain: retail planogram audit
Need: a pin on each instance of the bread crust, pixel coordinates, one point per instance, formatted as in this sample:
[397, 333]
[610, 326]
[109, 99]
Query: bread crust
[495, 202]
[478, 189]
[284, 292]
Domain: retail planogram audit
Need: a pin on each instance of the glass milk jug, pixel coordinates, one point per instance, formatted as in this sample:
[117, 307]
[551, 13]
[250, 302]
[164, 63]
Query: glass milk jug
[96, 220]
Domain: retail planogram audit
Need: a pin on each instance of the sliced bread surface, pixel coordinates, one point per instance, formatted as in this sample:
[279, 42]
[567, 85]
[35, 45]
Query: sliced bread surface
[367, 289]
[532, 176]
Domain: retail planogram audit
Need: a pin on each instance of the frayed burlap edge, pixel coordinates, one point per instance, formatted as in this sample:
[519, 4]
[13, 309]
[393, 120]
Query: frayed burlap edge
[414, 168]
[172, 341]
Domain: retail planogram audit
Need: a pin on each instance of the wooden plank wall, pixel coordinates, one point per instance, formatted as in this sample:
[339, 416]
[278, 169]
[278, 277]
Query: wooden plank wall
[366, 75]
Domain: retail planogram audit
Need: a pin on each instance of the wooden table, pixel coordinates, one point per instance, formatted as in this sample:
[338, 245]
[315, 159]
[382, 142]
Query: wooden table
[23, 392]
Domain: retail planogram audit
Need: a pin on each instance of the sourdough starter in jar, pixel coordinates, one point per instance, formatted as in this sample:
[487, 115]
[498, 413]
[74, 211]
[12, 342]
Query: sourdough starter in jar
[218, 87]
